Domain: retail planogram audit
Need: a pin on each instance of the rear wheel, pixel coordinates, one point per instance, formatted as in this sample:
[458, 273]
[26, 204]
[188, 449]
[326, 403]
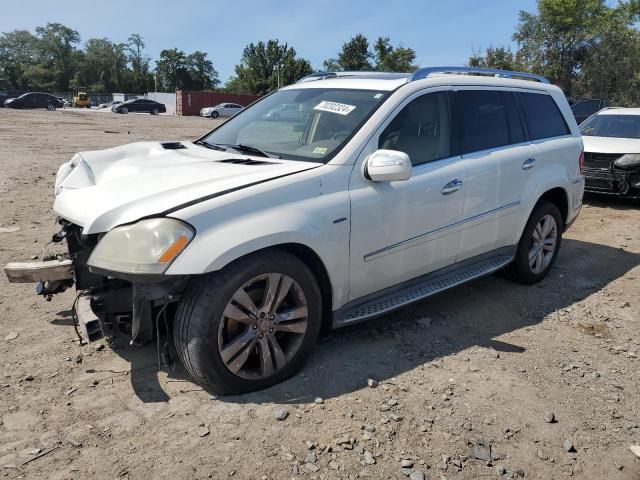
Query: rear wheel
[539, 245]
[249, 326]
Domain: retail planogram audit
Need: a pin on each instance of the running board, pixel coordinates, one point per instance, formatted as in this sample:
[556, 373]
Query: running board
[419, 289]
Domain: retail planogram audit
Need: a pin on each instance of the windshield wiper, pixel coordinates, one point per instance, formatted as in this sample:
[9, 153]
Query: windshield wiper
[212, 146]
[241, 147]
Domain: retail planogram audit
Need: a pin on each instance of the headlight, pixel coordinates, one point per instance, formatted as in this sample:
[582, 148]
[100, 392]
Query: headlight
[629, 160]
[146, 247]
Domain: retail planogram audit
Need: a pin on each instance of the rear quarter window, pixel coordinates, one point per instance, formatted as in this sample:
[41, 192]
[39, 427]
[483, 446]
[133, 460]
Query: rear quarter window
[542, 115]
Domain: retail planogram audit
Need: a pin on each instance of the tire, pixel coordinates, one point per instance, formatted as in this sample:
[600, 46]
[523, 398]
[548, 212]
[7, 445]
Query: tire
[200, 325]
[155, 111]
[521, 270]
[124, 110]
[51, 108]
[214, 115]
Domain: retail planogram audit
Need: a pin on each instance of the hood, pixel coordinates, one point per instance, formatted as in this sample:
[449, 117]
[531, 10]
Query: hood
[102, 189]
[611, 145]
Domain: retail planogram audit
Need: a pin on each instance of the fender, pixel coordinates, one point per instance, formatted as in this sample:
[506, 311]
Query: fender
[312, 211]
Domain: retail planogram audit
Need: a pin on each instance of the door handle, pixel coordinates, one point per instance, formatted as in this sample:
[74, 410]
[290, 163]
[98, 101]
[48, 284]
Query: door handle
[529, 163]
[452, 186]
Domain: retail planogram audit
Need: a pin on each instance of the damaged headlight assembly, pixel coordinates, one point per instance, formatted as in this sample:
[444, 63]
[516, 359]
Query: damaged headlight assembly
[628, 160]
[146, 247]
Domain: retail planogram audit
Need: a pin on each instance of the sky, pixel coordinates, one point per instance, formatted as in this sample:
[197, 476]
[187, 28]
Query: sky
[442, 32]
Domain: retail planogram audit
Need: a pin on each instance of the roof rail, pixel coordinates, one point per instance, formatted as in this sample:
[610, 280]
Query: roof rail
[372, 75]
[426, 72]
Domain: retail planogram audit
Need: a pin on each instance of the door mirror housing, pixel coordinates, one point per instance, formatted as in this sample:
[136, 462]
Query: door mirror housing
[388, 166]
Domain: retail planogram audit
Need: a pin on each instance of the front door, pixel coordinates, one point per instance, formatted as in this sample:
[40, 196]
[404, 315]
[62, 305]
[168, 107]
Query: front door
[405, 229]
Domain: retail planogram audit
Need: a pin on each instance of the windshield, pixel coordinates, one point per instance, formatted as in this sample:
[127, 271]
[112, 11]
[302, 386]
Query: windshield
[299, 124]
[620, 126]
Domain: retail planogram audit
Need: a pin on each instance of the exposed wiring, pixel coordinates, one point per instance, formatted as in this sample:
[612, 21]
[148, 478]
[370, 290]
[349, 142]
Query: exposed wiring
[74, 317]
[161, 312]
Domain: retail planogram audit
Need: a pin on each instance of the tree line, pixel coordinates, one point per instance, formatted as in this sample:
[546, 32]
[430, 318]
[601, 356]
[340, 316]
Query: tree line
[50, 60]
[588, 47]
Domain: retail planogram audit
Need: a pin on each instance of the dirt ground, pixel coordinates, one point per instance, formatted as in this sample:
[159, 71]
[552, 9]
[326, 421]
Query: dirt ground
[484, 364]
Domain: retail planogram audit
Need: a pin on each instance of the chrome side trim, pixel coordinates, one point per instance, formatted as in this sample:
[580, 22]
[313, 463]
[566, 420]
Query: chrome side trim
[418, 239]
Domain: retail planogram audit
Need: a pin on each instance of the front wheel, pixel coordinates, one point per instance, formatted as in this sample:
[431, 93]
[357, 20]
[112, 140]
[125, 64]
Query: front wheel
[215, 114]
[250, 325]
[155, 111]
[51, 108]
[124, 110]
[539, 245]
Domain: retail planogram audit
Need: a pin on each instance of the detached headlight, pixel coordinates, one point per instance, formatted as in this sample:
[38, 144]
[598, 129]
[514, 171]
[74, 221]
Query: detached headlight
[145, 247]
[628, 160]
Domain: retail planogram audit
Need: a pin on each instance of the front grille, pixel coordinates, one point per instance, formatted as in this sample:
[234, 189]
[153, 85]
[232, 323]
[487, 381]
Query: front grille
[599, 180]
[600, 161]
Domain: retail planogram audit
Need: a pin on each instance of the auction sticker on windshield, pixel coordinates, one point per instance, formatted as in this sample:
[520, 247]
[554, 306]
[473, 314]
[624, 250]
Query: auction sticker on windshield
[335, 107]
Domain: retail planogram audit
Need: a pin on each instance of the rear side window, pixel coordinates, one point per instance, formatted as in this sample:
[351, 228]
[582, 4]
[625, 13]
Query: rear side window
[542, 115]
[483, 120]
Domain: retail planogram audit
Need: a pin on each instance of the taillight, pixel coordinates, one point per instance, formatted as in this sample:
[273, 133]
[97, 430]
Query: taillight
[581, 161]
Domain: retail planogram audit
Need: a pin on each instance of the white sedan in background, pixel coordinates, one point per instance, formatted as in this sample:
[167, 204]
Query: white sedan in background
[221, 110]
[612, 152]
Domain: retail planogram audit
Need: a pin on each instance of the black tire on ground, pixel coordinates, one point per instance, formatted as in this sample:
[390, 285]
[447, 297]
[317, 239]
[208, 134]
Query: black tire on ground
[124, 110]
[155, 111]
[51, 108]
[215, 114]
[199, 314]
[520, 270]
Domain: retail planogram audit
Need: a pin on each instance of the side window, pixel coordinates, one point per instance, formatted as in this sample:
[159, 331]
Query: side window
[483, 120]
[543, 117]
[421, 129]
[516, 130]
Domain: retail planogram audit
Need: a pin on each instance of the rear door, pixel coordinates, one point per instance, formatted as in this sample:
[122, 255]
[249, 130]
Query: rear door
[554, 146]
[492, 143]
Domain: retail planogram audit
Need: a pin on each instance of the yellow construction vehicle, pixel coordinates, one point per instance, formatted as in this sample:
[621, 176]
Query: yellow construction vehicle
[81, 98]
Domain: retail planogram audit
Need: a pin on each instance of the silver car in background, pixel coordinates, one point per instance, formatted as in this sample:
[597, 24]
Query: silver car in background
[221, 110]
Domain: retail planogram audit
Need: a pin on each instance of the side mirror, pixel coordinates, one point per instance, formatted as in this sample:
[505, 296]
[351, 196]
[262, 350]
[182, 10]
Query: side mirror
[388, 166]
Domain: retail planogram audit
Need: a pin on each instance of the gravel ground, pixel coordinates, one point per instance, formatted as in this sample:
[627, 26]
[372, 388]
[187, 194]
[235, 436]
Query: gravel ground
[541, 382]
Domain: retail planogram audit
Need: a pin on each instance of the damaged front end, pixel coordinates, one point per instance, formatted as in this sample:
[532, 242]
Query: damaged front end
[613, 174]
[108, 303]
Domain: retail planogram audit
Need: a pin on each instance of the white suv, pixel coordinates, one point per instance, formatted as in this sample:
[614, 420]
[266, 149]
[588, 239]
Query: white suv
[384, 190]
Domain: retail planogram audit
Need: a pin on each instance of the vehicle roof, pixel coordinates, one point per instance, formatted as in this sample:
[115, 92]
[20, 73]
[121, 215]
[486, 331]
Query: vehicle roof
[619, 111]
[393, 81]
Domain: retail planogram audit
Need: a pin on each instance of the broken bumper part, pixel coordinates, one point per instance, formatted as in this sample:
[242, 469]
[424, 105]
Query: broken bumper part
[32, 272]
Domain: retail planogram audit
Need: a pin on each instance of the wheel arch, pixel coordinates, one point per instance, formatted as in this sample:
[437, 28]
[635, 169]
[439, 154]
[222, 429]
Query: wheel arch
[313, 261]
[560, 198]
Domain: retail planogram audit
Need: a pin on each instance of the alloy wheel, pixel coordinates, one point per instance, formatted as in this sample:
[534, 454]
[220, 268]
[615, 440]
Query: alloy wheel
[263, 326]
[543, 244]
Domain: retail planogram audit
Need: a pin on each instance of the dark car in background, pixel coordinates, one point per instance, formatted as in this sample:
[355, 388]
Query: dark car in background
[140, 105]
[583, 109]
[35, 100]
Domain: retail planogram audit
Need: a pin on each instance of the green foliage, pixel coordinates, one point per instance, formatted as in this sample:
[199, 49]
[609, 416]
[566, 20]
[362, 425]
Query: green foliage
[393, 59]
[356, 56]
[495, 57]
[140, 78]
[175, 70]
[17, 53]
[590, 48]
[51, 61]
[267, 66]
